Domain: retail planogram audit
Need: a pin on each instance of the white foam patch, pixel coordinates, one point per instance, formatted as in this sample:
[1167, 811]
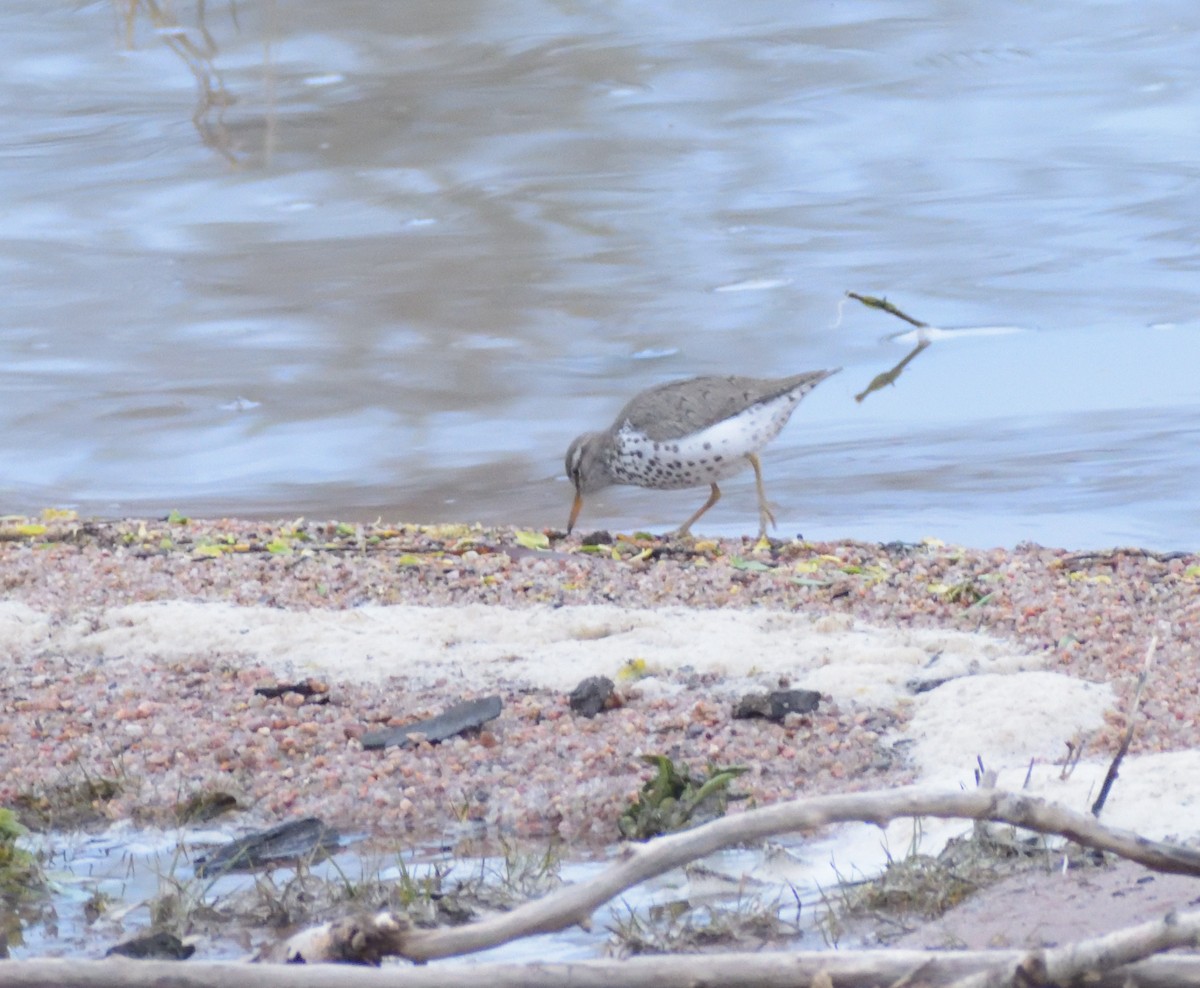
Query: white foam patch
[984, 697]
[989, 699]
[21, 628]
[961, 333]
[993, 702]
[1156, 795]
[1005, 720]
[552, 647]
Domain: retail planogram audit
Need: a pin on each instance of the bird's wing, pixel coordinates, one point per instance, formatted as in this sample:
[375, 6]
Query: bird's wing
[678, 408]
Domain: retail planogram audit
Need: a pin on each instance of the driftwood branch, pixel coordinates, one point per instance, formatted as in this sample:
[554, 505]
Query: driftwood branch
[574, 904]
[1084, 960]
[846, 969]
[1105, 960]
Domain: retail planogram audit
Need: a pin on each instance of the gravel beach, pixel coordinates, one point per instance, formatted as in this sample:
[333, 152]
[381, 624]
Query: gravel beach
[164, 726]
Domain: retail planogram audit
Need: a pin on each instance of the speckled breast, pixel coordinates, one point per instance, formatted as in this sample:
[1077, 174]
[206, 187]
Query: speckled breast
[699, 458]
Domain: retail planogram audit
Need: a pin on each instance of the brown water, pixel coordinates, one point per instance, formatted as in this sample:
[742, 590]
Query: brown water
[367, 258]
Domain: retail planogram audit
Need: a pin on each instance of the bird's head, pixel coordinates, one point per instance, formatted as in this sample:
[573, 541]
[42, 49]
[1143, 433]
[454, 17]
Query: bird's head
[587, 468]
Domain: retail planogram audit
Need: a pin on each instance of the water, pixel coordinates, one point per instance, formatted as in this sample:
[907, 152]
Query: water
[384, 259]
[105, 887]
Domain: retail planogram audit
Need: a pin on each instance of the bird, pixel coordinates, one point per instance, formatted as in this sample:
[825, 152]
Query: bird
[689, 433]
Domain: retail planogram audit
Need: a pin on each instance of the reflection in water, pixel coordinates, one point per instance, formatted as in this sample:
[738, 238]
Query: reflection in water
[890, 376]
[198, 50]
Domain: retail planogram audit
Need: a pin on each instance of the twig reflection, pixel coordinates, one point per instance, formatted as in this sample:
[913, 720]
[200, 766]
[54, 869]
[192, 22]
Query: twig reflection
[890, 376]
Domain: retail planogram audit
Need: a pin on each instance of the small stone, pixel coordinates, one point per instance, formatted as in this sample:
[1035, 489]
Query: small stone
[592, 695]
[777, 704]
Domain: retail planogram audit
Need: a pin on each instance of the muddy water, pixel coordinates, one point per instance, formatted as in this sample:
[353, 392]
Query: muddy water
[366, 259]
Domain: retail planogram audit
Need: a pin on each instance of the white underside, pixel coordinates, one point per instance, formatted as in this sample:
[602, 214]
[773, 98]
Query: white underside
[710, 455]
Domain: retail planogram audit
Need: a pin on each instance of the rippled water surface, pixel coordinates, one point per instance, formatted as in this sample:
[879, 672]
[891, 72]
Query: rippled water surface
[366, 258]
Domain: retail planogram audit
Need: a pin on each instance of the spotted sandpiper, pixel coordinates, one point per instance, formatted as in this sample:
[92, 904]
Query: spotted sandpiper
[688, 434]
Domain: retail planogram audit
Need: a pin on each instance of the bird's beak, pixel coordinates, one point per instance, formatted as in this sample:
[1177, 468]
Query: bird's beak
[574, 511]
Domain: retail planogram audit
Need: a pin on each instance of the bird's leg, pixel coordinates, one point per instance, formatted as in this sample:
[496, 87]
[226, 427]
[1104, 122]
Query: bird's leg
[764, 510]
[713, 498]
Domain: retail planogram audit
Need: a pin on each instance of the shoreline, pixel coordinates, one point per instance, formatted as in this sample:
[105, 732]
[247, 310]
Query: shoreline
[97, 686]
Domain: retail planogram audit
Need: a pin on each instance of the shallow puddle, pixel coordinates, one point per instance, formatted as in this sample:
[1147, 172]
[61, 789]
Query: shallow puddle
[107, 887]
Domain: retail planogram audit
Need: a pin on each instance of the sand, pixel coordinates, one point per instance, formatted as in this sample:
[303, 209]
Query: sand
[132, 649]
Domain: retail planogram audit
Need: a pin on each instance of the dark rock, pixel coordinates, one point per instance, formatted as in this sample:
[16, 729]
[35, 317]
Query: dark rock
[918, 686]
[459, 718]
[592, 695]
[296, 840]
[311, 689]
[777, 704]
[154, 945]
[203, 806]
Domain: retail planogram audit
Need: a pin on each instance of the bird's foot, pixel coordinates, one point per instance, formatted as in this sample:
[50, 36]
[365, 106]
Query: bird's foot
[765, 517]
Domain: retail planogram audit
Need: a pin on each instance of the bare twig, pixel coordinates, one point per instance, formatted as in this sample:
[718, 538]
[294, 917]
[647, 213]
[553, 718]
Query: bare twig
[1071, 762]
[882, 303]
[1111, 776]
